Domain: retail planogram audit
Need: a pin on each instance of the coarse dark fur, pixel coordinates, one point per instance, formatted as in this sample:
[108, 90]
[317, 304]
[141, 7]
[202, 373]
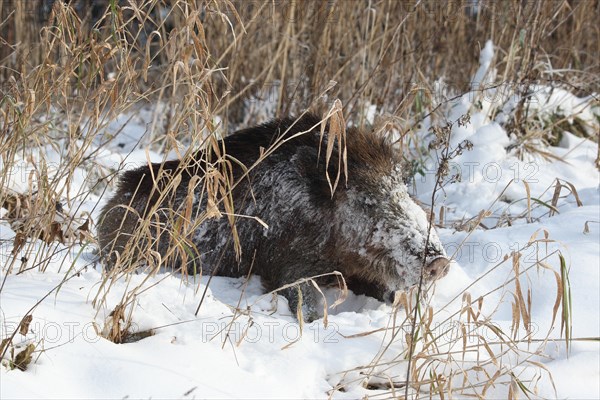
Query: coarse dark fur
[369, 230]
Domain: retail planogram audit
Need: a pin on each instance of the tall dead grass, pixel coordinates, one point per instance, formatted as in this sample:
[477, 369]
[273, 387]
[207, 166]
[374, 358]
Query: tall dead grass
[67, 70]
[380, 52]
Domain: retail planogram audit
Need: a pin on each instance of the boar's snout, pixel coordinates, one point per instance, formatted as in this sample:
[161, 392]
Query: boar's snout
[437, 268]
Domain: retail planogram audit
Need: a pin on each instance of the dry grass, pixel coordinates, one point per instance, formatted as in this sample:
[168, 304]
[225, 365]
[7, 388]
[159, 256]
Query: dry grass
[462, 354]
[66, 72]
[385, 53]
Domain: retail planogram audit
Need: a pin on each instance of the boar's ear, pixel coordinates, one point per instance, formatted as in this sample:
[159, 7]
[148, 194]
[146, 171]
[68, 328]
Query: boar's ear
[313, 174]
[305, 163]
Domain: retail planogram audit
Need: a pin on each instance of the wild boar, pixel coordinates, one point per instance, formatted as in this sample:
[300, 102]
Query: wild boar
[369, 229]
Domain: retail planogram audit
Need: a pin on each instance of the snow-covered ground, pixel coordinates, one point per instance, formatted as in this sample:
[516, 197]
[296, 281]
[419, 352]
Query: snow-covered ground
[264, 354]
